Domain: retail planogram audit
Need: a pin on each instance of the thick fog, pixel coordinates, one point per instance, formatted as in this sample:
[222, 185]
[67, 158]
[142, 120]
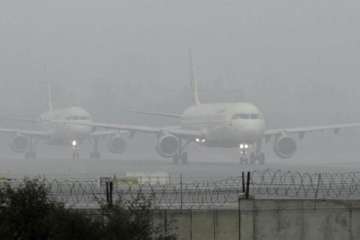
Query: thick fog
[297, 60]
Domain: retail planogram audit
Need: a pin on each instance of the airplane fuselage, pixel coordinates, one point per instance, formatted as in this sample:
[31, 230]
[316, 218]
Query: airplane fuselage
[226, 124]
[64, 134]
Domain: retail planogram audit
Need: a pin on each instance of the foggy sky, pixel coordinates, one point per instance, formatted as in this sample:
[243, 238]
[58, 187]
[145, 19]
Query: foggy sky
[297, 60]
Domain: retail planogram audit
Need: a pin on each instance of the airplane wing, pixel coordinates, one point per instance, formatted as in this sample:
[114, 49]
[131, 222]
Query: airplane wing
[106, 133]
[31, 133]
[303, 130]
[19, 119]
[159, 114]
[177, 131]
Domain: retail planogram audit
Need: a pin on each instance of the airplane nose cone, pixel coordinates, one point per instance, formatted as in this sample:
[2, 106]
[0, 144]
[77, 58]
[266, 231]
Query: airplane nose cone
[81, 130]
[249, 131]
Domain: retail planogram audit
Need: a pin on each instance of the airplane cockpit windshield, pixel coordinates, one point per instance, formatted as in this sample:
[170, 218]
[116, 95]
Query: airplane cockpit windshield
[246, 116]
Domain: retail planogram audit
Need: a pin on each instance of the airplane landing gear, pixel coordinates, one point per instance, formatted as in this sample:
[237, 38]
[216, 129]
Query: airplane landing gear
[183, 158]
[254, 158]
[95, 154]
[244, 160]
[257, 158]
[31, 154]
[76, 150]
[261, 158]
[175, 159]
[251, 154]
[76, 155]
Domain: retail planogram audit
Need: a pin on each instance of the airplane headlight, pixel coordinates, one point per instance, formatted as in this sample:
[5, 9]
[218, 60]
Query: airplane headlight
[244, 146]
[197, 140]
[203, 140]
[74, 143]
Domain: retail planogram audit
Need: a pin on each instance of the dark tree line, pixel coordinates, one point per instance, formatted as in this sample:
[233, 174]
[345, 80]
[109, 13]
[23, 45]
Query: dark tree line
[28, 213]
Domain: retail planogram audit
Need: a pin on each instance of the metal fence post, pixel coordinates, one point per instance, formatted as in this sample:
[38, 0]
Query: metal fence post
[181, 192]
[243, 181]
[165, 222]
[317, 190]
[239, 216]
[109, 193]
[247, 193]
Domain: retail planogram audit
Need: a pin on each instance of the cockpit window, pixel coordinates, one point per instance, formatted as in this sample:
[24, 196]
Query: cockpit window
[255, 116]
[246, 116]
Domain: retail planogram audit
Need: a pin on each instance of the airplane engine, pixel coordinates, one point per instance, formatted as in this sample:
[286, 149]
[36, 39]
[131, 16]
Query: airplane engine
[19, 144]
[168, 146]
[285, 147]
[117, 145]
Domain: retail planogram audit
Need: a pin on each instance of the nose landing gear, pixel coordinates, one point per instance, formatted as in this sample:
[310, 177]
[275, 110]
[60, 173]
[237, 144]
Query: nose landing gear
[249, 154]
[253, 159]
[76, 150]
[76, 155]
[95, 154]
[244, 160]
[31, 153]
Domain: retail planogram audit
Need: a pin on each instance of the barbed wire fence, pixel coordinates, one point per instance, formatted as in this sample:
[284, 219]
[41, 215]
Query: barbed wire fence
[188, 193]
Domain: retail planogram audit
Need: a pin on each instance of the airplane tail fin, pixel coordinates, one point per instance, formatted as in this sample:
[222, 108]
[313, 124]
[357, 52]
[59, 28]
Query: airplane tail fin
[194, 82]
[50, 100]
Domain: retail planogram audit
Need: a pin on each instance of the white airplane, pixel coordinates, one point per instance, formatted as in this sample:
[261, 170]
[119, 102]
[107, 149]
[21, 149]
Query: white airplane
[222, 125]
[71, 134]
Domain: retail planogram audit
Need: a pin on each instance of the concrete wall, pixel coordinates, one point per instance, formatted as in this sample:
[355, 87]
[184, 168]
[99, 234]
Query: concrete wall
[268, 219]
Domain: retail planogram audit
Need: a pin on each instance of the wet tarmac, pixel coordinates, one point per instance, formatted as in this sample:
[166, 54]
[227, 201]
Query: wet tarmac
[52, 167]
